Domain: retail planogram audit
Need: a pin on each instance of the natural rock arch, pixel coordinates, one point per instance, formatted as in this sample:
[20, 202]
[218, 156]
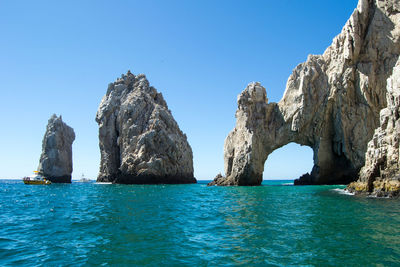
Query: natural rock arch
[262, 128]
[331, 104]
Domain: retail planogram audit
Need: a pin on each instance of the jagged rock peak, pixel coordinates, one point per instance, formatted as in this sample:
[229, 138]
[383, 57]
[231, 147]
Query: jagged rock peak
[140, 142]
[56, 159]
[331, 103]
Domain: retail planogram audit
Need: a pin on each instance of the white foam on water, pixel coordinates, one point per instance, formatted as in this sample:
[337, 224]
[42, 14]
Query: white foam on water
[342, 191]
[103, 183]
[288, 184]
[375, 196]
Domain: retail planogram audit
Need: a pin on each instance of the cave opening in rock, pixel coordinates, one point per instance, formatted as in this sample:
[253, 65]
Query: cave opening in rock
[288, 162]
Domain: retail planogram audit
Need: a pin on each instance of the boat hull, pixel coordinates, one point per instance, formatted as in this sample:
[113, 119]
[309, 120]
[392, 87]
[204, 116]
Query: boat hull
[37, 182]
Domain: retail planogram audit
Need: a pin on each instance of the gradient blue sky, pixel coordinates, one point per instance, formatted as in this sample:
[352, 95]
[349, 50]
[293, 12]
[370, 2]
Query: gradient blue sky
[59, 56]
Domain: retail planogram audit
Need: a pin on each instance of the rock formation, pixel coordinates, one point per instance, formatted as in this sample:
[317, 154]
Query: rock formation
[140, 142]
[331, 103]
[381, 175]
[56, 160]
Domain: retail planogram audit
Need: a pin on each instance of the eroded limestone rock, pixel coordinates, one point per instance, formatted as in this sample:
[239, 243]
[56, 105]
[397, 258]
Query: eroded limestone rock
[56, 159]
[381, 175]
[331, 103]
[140, 142]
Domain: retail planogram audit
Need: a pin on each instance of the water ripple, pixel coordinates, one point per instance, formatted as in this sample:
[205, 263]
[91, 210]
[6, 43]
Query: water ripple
[88, 224]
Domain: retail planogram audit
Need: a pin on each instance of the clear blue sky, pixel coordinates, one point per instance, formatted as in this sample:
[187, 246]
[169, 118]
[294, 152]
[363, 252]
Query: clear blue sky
[59, 56]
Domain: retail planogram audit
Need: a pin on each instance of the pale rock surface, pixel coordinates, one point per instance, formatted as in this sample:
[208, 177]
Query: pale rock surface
[140, 142]
[381, 176]
[331, 103]
[55, 162]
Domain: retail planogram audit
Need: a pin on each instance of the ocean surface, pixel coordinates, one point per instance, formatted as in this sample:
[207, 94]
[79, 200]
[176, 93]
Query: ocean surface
[194, 225]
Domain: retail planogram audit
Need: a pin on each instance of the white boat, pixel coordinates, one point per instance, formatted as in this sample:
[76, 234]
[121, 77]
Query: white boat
[83, 179]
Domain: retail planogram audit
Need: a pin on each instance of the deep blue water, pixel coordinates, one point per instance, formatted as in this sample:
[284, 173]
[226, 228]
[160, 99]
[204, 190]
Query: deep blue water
[194, 225]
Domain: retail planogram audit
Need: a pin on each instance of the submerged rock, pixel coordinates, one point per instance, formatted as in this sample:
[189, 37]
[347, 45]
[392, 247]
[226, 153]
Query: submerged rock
[56, 159]
[140, 142]
[331, 103]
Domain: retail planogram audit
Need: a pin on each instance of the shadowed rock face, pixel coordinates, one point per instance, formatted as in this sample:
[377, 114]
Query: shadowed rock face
[140, 142]
[56, 159]
[381, 176]
[331, 104]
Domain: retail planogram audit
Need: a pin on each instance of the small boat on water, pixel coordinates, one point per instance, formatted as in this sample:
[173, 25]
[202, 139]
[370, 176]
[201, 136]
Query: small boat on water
[35, 179]
[83, 179]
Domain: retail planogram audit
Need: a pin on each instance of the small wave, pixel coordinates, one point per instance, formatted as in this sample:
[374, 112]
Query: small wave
[103, 183]
[375, 196]
[288, 184]
[343, 191]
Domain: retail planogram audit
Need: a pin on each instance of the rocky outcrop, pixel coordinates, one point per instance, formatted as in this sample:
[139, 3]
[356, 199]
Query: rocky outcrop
[140, 142]
[331, 103]
[381, 175]
[56, 159]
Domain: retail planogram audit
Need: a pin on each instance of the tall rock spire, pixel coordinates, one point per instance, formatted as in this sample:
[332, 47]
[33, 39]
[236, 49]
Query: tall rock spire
[56, 159]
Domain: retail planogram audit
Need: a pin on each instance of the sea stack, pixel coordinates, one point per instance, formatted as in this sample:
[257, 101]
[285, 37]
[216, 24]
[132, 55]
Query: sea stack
[331, 103]
[56, 159]
[140, 142]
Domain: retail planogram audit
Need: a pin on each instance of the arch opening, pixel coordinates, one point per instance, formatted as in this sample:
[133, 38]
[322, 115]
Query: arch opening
[288, 162]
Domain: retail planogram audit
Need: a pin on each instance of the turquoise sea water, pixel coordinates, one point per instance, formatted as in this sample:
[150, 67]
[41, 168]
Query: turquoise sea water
[194, 225]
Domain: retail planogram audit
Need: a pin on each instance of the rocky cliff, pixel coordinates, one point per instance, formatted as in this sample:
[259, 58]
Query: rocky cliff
[140, 142]
[381, 175]
[56, 159]
[331, 103]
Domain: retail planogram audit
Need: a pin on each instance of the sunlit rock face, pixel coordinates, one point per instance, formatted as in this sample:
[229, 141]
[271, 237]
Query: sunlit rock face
[140, 142]
[56, 159]
[331, 104]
